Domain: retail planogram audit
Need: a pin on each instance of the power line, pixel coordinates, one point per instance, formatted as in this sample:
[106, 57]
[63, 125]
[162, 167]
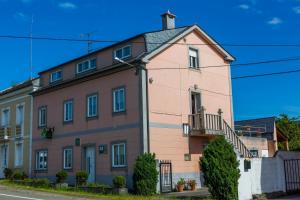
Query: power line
[267, 74]
[238, 64]
[141, 42]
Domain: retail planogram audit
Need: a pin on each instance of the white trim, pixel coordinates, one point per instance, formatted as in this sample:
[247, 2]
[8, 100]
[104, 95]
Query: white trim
[117, 90]
[22, 152]
[113, 154]
[122, 49]
[68, 115]
[55, 72]
[88, 105]
[39, 116]
[9, 116]
[89, 67]
[64, 158]
[222, 51]
[37, 160]
[23, 122]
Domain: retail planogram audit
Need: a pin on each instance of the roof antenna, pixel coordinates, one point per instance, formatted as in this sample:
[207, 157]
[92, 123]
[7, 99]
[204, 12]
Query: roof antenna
[89, 41]
[30, 59]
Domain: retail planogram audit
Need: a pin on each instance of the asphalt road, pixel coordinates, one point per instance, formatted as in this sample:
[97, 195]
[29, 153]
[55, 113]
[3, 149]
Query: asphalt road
[8, 193]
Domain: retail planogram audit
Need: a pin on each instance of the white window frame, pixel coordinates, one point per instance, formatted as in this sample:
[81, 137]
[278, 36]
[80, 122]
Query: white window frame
[68, 117]
[122, 50]
[88, 105]
[52, 80]
[45, 163]
[43, 108]
[64, 157]
[18, 121]
[89, 66]
[5, 123]
[118, 156]
[19, 157]
[117, 97]
[256, 152]
[197, 58]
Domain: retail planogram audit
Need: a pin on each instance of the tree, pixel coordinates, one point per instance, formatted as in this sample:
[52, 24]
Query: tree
[220, 167]
[291, 128]
[145, 176]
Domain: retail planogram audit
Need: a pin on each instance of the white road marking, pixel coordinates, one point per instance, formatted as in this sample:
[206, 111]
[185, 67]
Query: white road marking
[20, 197]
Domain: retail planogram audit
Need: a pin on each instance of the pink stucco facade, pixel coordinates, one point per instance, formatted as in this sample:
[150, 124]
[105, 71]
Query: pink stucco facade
[170, 101]
[158, 103]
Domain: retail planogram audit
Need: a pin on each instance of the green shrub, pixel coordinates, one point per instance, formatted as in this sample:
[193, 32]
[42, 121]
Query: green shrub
[61, 176]
[41, 182]
[145, 176]
[81, 178]
[119, 181]
[8, 173]
[17, 175]
[220, 167]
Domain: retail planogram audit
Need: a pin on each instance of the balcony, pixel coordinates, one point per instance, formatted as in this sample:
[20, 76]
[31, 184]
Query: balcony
[203, 124]
[5, 132]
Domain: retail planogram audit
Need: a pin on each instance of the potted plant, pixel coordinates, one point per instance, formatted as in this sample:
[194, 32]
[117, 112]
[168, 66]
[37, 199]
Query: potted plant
[192, 184]
[81, 178]
[180, 185]
[61, 177]
[47, 133]
[119, 183]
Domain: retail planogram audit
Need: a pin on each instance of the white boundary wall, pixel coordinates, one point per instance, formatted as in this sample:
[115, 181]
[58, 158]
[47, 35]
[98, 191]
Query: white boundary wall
[265, 176]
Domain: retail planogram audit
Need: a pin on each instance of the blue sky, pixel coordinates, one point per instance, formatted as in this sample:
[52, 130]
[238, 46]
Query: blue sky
[235, 21]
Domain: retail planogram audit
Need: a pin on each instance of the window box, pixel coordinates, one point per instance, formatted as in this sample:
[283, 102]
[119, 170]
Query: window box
[47, 133]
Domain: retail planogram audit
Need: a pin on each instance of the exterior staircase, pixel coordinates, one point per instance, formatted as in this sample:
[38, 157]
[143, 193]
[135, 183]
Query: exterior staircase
[208, 125]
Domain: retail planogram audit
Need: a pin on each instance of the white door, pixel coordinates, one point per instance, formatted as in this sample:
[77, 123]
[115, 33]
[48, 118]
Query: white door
[3, 159]
[90, 163]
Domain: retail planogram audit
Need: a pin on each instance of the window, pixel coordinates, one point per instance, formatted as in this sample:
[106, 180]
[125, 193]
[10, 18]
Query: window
[254, 152]
[68, 111]
[68, 158]
[86, 65]
[123, 52]
[42, 116]
[56, 76]
[41, 160]
[92, 105]
[5, 117]
[193, 58]
[119, 155]
[18, 154]
[20, 115]
[119, 100]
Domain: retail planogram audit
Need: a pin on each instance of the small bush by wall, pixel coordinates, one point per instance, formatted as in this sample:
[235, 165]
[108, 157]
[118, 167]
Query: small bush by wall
[119, 181]
[81, 178]
[145, 176]
[220, 167]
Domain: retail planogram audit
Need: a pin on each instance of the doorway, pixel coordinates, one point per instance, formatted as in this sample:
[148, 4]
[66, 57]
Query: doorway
[90, 163]
[4, 159]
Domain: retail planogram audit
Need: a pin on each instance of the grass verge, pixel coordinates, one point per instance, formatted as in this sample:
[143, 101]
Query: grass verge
[80, 193]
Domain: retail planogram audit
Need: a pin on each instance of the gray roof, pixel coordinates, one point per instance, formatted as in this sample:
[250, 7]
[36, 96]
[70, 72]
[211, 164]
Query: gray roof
[268, 123]
[156, 39]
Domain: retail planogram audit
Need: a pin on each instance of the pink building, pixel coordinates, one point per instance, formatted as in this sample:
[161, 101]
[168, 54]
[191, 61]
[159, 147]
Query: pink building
[98, 113]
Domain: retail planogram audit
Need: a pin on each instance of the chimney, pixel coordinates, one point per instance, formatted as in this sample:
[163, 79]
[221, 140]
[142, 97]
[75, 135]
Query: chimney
[168, 20]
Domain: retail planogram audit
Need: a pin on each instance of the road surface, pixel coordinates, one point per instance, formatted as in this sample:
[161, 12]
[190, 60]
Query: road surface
[9, 193]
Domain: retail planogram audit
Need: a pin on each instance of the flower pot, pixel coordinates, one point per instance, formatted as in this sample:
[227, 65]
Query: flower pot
[120, 191]
[193, 187]
[61, 185]
[180, 188]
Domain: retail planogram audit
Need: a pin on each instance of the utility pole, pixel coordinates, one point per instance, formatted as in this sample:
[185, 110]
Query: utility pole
[30, 56]
[89, 41]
